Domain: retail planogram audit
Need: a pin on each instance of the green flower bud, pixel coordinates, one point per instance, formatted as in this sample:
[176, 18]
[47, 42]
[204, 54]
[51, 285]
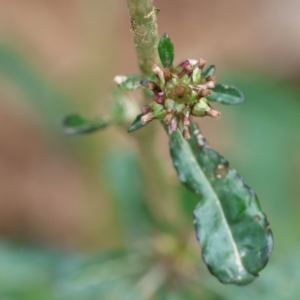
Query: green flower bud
[179, 107]
[200, 108]
[169, 104]
[159, 112]
[196, 76]
[194, 97]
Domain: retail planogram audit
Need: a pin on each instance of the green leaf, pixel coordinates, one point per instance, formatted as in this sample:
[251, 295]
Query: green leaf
[75, 124]
[124, 178]
[210, 70]
[129, 82]
[108, 276]
[226, 94]
[137, 123]
[32, 85]
[166, 51]
[234, 234]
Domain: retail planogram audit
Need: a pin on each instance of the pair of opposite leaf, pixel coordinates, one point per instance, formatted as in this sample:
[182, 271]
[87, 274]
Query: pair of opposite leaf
[179, 93]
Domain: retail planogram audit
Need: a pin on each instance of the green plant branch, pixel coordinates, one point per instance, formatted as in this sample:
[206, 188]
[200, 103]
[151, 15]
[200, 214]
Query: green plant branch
[143, 24]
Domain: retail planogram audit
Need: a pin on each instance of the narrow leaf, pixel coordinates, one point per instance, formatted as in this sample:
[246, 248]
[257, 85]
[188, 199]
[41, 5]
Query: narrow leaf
[226, 94]
[129, 82]
[75, 124]
[137, 123]
[234, 233]
[166, 51]
[209, 71]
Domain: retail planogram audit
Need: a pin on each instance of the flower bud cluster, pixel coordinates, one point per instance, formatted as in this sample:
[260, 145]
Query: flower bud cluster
[179, 95]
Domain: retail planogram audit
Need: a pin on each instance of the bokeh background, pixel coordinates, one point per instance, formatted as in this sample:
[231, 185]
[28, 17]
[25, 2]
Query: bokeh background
[103, 216]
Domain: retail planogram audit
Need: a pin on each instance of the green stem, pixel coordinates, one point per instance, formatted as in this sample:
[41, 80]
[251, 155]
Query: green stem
[144, 28]
[143, 24]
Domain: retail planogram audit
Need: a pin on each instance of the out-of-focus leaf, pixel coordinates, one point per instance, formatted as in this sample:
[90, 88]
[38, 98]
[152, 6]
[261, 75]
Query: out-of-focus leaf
[137, 124]
[226, 94]
[234, 234]
[26, 272]
[75, 124]
[187, 290]
[210, 70]
[129, 82]
[124, 179]
[126, 277]
[49, 100]
[166, 51]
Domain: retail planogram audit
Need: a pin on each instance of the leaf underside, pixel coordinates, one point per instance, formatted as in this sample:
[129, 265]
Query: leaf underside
[234, 233]
[75, 125]
[226, 94]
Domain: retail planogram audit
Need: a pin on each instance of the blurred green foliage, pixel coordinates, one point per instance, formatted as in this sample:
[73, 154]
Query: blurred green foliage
[155, 263]
[34, 86]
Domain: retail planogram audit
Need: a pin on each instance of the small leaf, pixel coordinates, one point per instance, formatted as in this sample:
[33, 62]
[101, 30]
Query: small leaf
[234, 234]
[226, 94]
[129, 82]
[137, 123]
[75, 124]
[166, 51]
[209, 71]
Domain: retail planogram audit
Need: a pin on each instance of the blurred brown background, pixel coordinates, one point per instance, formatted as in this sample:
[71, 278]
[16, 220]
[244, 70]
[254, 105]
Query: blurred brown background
[50, 187]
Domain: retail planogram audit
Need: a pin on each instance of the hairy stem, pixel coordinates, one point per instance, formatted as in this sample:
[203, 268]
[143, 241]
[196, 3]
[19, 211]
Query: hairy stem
[143, 24]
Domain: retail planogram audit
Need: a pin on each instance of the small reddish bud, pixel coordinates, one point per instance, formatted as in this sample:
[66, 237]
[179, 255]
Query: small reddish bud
[205, 93]
[186, 68]
[151, 85]
[146, 109]
[213, 113]
[210, 84]
[189, 69]
[184, 64]
[211, 78]
[202, 63]
[174, 124]
[186, 121]
[186, 117]
[186, 134]
[159, 73]
[147, 117]
[168, 118]
[167, 74]
[160, 100]
[179, 91]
